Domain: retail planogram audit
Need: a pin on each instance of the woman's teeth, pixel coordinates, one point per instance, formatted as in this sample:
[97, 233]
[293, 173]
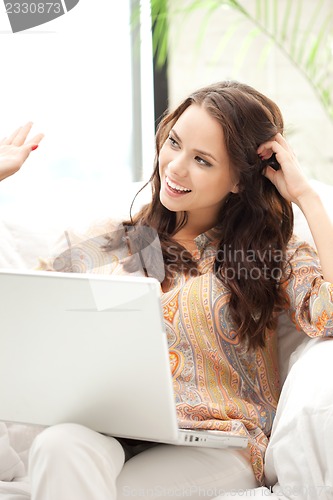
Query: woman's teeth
[176, 187]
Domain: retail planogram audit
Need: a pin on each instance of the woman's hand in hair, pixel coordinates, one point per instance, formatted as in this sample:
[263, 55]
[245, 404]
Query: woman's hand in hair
[14, 150]
[293, 185]
[289, 179]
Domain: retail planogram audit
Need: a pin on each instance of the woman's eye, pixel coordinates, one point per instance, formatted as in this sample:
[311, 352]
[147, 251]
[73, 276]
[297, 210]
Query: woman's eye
[172, 141]
[203, 162]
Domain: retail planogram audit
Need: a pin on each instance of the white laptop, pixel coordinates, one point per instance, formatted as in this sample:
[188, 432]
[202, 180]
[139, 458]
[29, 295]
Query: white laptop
[92, 350]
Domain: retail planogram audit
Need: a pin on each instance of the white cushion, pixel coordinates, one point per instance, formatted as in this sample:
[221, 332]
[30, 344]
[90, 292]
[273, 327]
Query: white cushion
[299, 453]
[11, 465]
[16, 490]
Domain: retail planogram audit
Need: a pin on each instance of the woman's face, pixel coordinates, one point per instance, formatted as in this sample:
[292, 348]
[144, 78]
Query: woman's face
[194, 167]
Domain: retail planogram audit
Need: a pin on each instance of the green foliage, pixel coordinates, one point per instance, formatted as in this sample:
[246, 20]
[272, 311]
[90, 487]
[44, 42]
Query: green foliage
[305, 38]
[159, 14]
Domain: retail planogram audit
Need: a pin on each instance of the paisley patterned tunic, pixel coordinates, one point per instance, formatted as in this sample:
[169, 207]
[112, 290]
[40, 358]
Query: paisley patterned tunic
[218, 383]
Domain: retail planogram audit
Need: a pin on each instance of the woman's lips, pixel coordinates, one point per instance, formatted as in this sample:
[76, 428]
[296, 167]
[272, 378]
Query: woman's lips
[174, 188]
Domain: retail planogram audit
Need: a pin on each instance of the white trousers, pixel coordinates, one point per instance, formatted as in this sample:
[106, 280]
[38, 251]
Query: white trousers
[71, 462]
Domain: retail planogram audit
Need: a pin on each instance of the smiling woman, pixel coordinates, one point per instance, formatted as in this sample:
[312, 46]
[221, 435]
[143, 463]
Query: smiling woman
[221, 293]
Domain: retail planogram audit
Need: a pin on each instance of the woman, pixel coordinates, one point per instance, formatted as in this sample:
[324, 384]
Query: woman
[224, 220]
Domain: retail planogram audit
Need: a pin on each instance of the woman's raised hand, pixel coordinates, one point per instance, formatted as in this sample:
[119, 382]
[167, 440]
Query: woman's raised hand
[289, 179]
[14, 150]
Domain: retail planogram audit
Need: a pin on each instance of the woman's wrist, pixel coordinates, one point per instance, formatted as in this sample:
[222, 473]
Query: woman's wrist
[309, 200]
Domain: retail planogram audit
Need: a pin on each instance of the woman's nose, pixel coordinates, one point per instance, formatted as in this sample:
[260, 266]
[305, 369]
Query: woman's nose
[178, 165]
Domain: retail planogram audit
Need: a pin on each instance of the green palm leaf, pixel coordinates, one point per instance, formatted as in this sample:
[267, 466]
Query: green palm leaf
[304, 40]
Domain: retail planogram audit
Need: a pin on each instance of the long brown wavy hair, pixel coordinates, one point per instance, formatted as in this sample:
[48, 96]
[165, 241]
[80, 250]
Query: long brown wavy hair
[255, 223]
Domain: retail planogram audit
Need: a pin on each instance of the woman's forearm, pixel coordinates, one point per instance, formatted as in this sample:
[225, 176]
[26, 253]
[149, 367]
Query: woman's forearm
[321, 227]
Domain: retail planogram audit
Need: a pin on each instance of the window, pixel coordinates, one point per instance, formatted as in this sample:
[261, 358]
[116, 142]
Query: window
[79, 79]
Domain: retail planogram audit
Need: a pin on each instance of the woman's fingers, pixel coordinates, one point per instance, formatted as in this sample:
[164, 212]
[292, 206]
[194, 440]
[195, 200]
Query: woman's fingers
[18, 137]
[35, 140]
[290, 179]
[14, 150]
[7, 140]
[277, 145]
[21, 135]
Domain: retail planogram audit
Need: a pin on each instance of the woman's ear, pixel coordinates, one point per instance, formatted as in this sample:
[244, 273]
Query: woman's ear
[235, 188]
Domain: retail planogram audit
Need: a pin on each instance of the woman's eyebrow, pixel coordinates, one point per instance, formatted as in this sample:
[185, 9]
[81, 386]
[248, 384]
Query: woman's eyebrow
[204, 153]
[176, 135]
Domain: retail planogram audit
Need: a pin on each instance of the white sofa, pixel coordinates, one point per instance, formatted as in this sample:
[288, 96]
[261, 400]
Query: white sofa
[27, 234]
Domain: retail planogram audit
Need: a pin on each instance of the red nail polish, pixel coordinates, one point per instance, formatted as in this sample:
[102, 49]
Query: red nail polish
[34, 147]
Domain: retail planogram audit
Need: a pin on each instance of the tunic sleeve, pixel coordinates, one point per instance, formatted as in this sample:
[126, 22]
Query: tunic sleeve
[309, 296]
[88, 251]
[62, 246]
